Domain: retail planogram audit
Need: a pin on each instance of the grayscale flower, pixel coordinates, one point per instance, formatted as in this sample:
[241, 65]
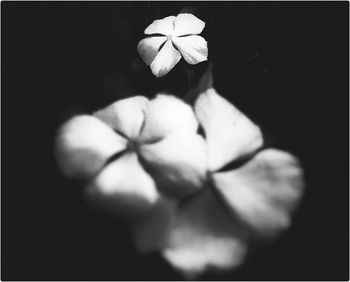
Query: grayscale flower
[214, 227]
[132, 149]
[170, 38]
[146, 160]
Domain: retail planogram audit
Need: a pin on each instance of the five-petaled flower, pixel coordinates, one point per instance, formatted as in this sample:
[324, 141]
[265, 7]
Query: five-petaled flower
[145, 159]
[170, 38]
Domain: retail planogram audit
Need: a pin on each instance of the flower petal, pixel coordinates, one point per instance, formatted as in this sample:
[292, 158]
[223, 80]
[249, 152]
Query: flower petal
[177, 163]
[196, 236]
[188, 24]
[167, 114]
[229, 133]
[264, 191]
[125, 116]
[194, 48]
[148, 48]
[151, 232]
[164, 26]
[124, 187]
[165, 60]
[84, 144]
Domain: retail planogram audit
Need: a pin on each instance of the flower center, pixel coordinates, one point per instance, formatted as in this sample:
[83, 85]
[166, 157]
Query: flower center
[132, 146]
[171, 37]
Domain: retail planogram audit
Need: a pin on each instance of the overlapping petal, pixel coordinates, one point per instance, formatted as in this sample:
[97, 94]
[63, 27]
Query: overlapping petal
[186, 24]
[84, 144]
[148, 48]
[148, 161]
[178, 162]
[203, 237]
[151, 232]
[164, 26]
[229, 133]
[124, 187]
[194, 48]
[194, 236]
[125, 116]
[264, 191]
[167, 114]
[165, 60]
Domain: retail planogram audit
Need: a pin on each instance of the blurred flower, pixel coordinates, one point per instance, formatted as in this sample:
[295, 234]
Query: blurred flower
[131, 149]
[182, 32]
[239, 203]
[145, 159]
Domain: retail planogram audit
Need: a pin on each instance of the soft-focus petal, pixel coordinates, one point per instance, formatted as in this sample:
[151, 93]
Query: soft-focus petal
[178, 162]
[264, 191]
[165, 60]
[125, 116]
[204, 237]
[188, 24]
[84, 144]
[124, 187]
[195, 236]
[151, 232]
[148, 48]
[229, 133]
[167, 114]
[194, 48]
[164, 26]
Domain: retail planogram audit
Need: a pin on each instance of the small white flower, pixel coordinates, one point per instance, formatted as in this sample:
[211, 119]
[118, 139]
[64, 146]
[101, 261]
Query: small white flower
[182, 32]
[145, 159]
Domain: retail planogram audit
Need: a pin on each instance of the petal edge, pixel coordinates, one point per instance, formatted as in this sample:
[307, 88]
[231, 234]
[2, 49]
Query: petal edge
[263, 192]
[123, 187]
[148, 48]
[194, 48]
[163, 26]
[165, 60]
[229, 133]
[125, 116]
[83, 145]
[186, 24]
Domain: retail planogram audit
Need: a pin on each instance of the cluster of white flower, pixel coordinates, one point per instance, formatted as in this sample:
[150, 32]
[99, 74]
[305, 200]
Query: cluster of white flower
[146, 161]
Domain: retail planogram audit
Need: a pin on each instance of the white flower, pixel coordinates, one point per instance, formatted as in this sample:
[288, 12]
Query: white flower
[134, 149]
[213, 228]
[180, 32]
[145, 159]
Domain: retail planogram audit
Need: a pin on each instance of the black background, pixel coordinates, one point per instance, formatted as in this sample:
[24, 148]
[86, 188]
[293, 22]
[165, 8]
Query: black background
[285, 64]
